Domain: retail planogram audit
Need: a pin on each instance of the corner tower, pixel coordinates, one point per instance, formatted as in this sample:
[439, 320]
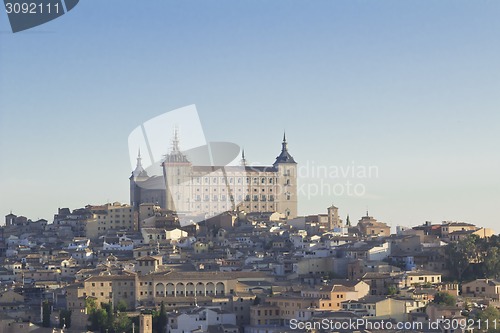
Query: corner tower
[287, 181]
[137, 176]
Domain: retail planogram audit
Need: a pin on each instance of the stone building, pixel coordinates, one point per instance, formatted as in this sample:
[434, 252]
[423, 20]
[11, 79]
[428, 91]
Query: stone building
[191, 189]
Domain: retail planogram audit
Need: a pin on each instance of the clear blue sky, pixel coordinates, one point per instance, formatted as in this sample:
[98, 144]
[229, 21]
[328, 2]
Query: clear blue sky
[411, 87]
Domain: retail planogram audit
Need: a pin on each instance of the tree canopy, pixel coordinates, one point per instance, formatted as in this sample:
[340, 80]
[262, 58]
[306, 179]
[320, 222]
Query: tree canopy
[473, 257]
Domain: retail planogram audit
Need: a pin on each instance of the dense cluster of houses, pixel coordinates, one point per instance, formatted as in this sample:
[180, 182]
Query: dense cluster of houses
[236, 272]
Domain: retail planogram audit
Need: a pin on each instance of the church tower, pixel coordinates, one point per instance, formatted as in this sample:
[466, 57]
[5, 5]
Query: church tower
[145, 323]
[334, 222]
[287, 182]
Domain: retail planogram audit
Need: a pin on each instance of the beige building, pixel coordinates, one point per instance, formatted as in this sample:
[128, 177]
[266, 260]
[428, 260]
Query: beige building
[382, 307]
[294, 305]
[332, 296]
[368, 226]
[154, 288]
[162, 235]
[265, 314]
[421, 277]
[145, 323]
[448, 227]
[197, 190]
[28, 276]
[147, 264]
[482, 288]
[11, 302]
[323, 222]
[111, 288]
[439, 311]
[462, 234]
[76, 303]
[171, 287]
[115, 216]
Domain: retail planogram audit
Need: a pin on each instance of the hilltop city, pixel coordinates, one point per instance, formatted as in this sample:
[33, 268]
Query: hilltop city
[224, 250]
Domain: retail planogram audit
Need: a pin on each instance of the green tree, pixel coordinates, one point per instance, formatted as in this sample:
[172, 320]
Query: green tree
[90, 304]
[392, 290]
[492, 262]
[46, 312]
[461, 254]
[444, 298]
[121, 306]
[98, 318]
[121, 323]
[162, 319]
[490, 315]
[65, 319]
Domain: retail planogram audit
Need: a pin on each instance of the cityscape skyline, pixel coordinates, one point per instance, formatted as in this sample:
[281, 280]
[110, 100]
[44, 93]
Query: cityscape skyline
[407, 89]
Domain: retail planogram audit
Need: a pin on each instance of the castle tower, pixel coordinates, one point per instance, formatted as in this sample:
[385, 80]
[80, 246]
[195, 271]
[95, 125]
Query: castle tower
[177, 172]
[287, 181]
[138, 175]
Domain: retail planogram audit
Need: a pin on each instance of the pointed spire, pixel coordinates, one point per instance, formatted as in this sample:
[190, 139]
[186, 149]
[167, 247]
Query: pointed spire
[139, 170]
[139, 159]
[176, 155]
[284, 156]
[175, 141]
[284, 147]
[243, 161]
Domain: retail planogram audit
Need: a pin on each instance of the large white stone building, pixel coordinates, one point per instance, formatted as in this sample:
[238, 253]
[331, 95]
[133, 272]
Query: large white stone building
[203, 190]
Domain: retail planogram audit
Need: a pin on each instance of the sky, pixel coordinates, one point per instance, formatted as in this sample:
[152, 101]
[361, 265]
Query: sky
[407, 88]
